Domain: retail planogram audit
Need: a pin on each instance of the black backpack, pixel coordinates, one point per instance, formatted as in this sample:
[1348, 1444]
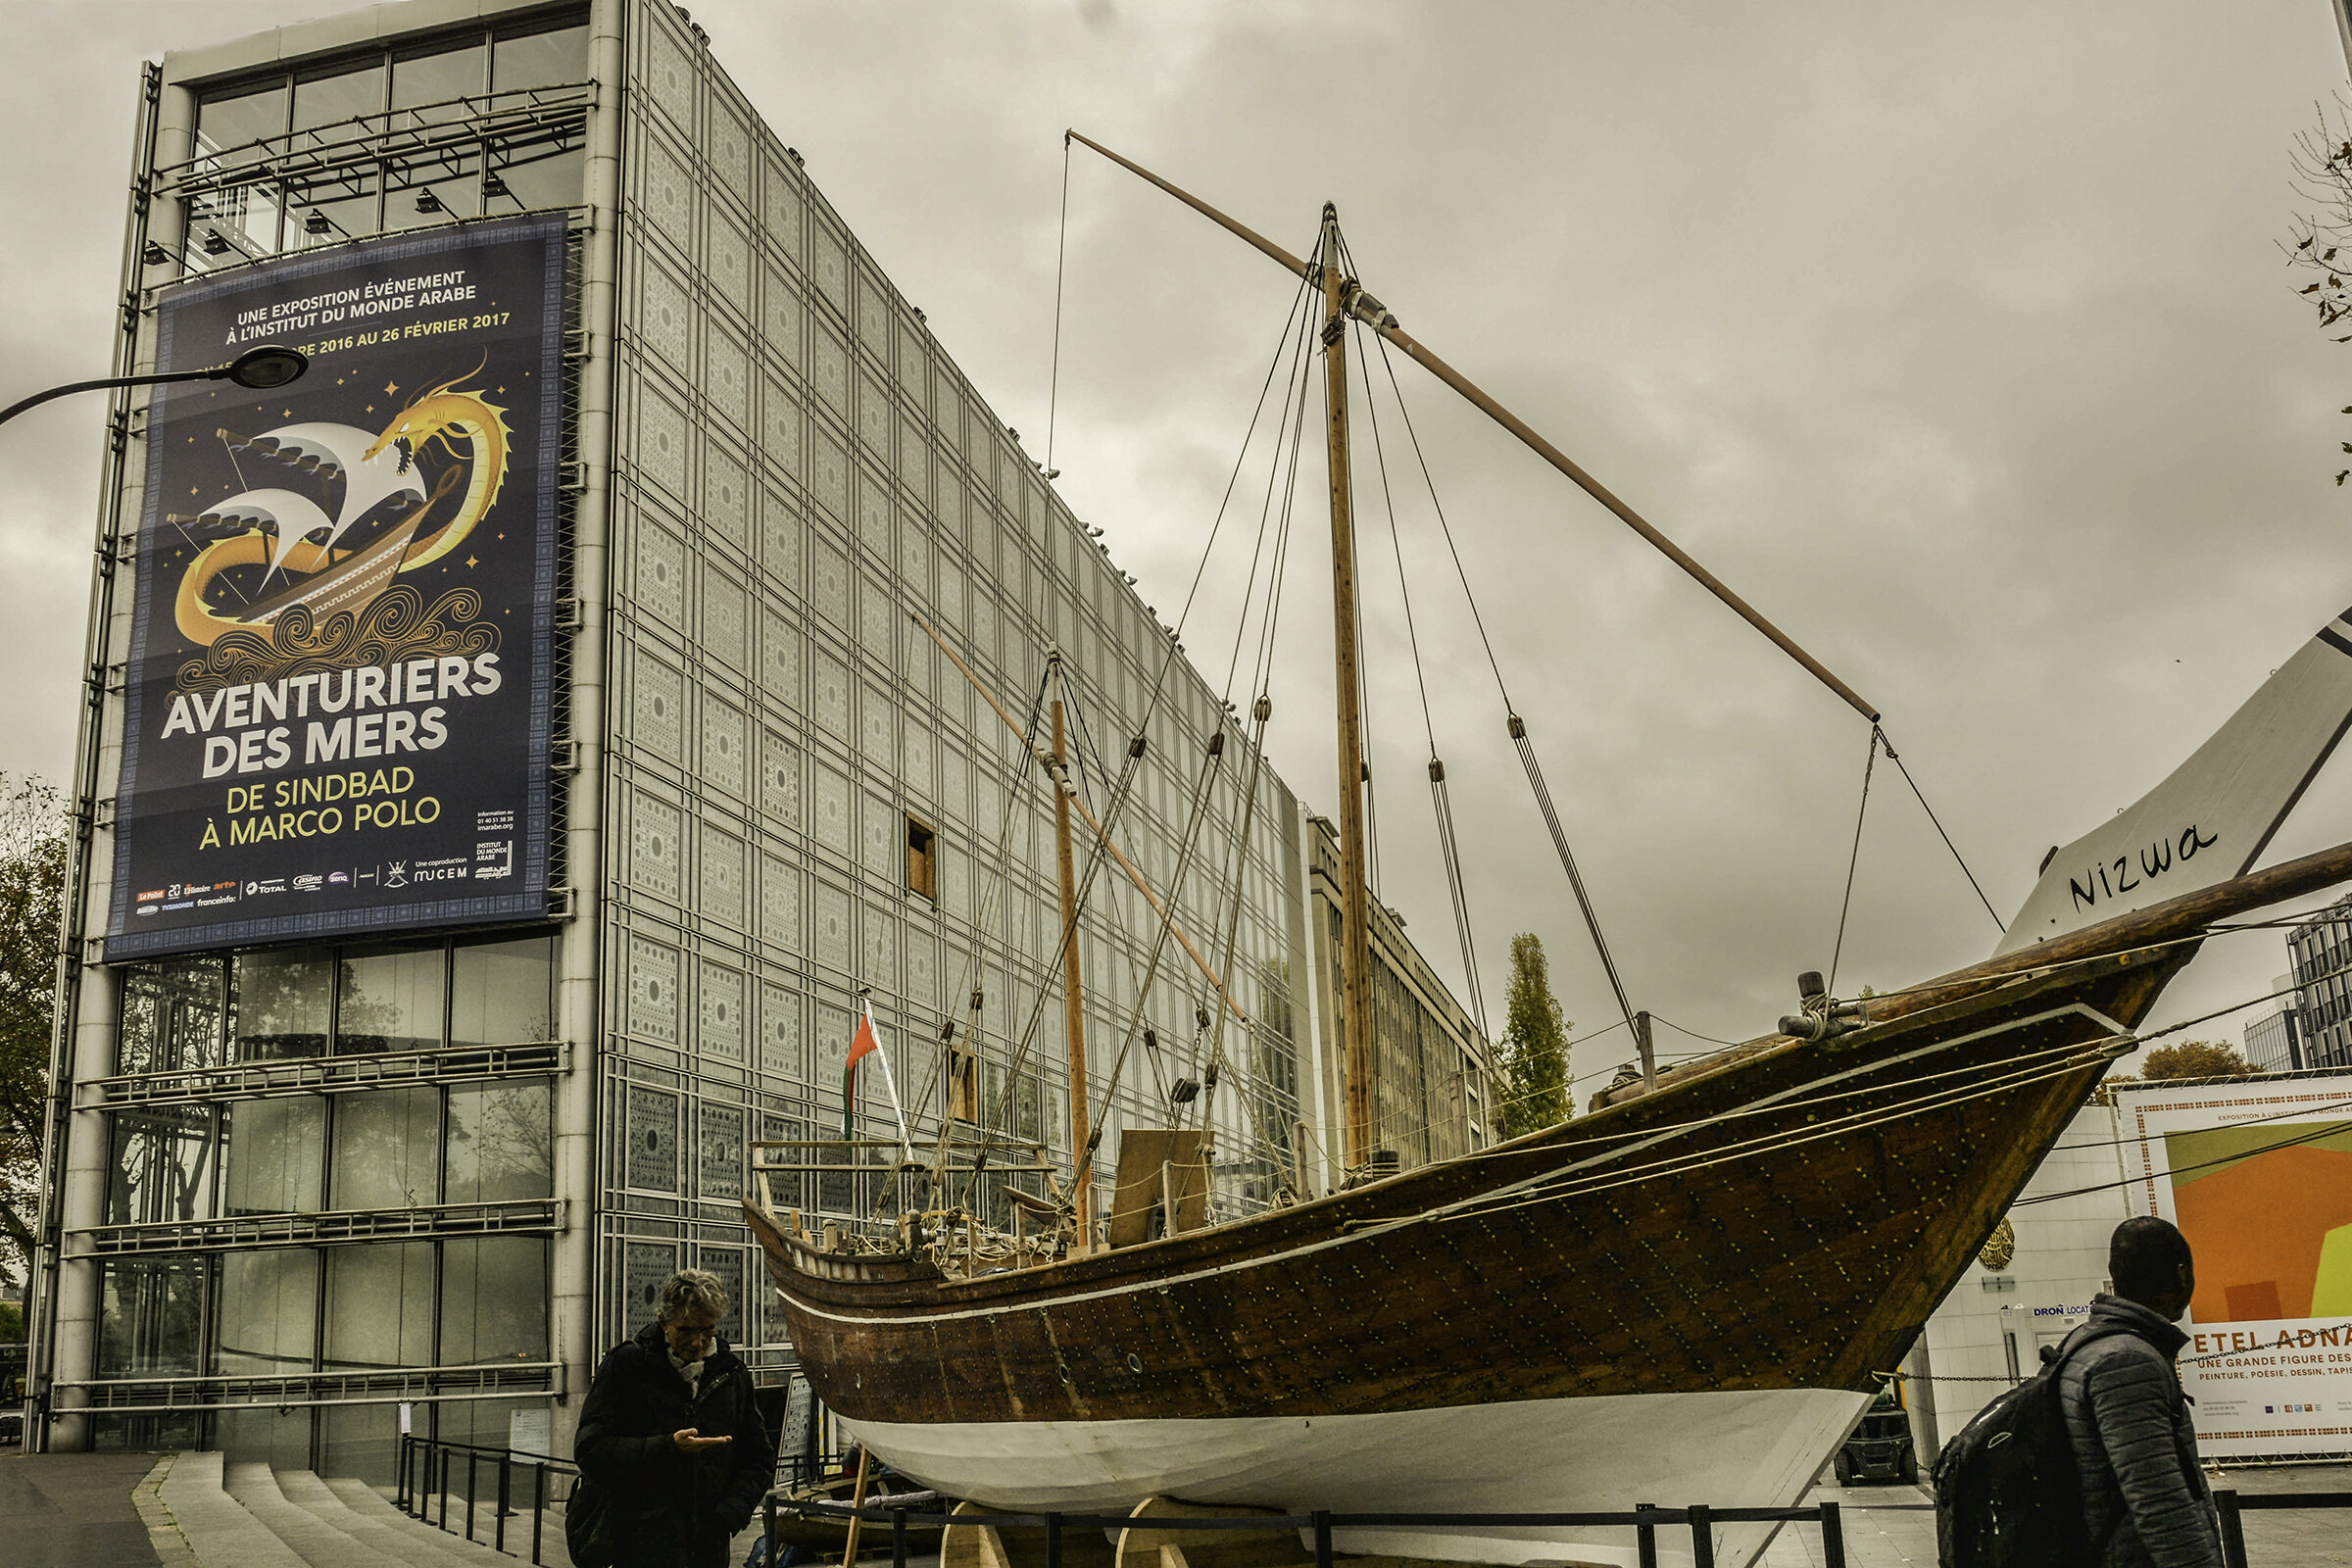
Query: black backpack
[2007, 1492]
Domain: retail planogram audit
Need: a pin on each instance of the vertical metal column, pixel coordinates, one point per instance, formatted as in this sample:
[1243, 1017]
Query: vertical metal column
[571, 1308]
[62, 1315]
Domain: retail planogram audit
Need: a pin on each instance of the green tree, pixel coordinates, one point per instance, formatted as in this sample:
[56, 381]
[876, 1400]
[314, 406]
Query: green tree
[1535, 1045]
[2195, 1058]
[32, 895]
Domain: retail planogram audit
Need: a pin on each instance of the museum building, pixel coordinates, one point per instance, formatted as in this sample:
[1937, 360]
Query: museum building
[317, 1178]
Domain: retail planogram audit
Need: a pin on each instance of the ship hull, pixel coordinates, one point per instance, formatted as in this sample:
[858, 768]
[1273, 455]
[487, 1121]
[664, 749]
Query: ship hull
[1685, 1296]
[1605, 1453]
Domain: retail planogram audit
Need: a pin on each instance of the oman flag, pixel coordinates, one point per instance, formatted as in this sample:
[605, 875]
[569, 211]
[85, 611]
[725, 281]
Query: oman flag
[868, 1041]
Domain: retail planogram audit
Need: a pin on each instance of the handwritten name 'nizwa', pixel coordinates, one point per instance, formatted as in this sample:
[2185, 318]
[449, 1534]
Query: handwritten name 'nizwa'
[2152, 863]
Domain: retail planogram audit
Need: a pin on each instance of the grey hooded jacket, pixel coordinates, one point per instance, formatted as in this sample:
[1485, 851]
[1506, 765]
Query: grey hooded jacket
[2137, 1453]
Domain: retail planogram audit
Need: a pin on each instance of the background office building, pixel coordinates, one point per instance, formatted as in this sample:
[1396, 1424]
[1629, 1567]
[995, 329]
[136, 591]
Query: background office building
[372, 1125]
[2321, 951]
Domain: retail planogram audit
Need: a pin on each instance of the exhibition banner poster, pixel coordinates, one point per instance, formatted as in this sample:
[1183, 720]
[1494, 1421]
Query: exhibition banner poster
[2257, 1176]
[338, 698]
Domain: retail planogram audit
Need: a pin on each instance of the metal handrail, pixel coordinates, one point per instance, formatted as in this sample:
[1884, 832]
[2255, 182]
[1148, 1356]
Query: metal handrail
[2228, 1502]
[435, 1456]
[1645, 1519]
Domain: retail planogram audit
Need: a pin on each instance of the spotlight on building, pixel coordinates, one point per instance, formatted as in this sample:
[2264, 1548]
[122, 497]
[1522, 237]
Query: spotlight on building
[315, 222]
[214, 244]
[492, 185]
[428, 202]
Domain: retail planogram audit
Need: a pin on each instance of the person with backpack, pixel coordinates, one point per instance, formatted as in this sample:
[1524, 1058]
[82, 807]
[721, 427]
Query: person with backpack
[2092, 1462]
[2135, 1446]
[676, 1455]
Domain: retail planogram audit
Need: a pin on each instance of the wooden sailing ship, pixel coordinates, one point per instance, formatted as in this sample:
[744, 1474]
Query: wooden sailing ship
[1681, 1297]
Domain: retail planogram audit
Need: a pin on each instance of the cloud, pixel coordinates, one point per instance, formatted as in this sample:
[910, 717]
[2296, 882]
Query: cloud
[1958, 343]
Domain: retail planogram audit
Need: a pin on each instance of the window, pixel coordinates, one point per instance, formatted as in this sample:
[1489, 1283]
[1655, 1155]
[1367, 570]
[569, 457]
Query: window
[281, 1003]
[963, 1085]
[923, 860]
[390, 999]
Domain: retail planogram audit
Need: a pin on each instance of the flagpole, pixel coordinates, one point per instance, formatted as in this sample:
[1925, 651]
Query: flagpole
[890, 1083]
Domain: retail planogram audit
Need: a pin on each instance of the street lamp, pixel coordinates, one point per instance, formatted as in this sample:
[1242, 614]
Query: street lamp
[260, 368]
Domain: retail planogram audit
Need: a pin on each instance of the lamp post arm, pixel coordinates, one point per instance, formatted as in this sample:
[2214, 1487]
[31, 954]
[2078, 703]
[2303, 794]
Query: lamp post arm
[217, 372]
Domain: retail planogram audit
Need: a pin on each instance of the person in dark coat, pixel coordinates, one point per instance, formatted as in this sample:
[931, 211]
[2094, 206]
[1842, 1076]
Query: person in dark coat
[671, 1434]
[2142, 1494]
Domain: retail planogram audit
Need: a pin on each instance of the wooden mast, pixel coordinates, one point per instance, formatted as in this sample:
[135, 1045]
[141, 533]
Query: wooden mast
[1074, 1005]
[1355, 933]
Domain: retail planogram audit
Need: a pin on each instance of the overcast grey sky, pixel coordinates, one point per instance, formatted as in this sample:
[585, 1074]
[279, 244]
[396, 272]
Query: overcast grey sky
[1957, 339]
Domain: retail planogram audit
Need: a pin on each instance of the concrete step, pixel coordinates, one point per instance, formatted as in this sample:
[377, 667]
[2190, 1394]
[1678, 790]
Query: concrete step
[399, 1539]
[219, 1530]
[366, 1502]
[318, 1542]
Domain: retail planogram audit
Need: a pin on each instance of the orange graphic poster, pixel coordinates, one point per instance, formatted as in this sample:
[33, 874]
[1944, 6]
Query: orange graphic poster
[2258, 1175]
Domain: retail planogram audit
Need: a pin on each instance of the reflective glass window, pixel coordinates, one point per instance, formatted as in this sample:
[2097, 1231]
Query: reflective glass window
[361, 1440]
[500, 1142]
[436, 78]
[264, 1435]
[227, 123]
[503, 993]
[379, 1307]
[173, 1017]
[228, 226]
[539, 59]
[334, 206]
[338, 95]
[276, 1155]
[391, 999]
[493, 1300]
[433, 187]
[151, 1318]
[530, 170]
[387, 1149]
[164, 1165]
[267, 1314]
[282, 998]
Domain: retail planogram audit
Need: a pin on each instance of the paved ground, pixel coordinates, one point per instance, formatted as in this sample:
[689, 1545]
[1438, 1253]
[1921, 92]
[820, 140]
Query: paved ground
[1882, 1532]
[70, 1510]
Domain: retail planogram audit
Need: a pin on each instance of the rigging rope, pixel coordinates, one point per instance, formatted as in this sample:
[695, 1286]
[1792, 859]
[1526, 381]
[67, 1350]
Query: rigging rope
[1940, 832]
[1845, 905]
[1516, 724]
[1448, 846]
[1060, 246]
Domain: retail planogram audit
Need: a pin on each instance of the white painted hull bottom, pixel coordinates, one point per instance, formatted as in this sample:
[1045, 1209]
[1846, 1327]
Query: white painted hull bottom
[1605, 1453]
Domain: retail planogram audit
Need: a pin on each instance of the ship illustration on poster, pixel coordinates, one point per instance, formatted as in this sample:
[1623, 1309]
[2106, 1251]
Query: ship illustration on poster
[274, 569]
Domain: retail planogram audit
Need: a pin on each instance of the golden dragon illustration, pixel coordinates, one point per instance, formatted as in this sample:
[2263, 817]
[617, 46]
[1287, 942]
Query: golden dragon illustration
[303, 544]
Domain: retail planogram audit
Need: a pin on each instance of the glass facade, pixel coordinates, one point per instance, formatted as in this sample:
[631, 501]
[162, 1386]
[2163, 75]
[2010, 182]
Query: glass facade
[397, 137]
[2320, 951]
[332, 1176]
[233, 1164]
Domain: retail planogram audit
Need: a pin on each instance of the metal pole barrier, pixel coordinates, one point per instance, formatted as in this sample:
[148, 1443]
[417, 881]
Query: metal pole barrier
[1322, 1519]
[1832, 1537]
[471, 1460]
[1645, 1538]
[400, 1488]
[1702, 1537]
[506, 1495]
[538, 1507]
[444, 1486]
[768, 1508]
[1053, 1539]
[2233, 1528]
